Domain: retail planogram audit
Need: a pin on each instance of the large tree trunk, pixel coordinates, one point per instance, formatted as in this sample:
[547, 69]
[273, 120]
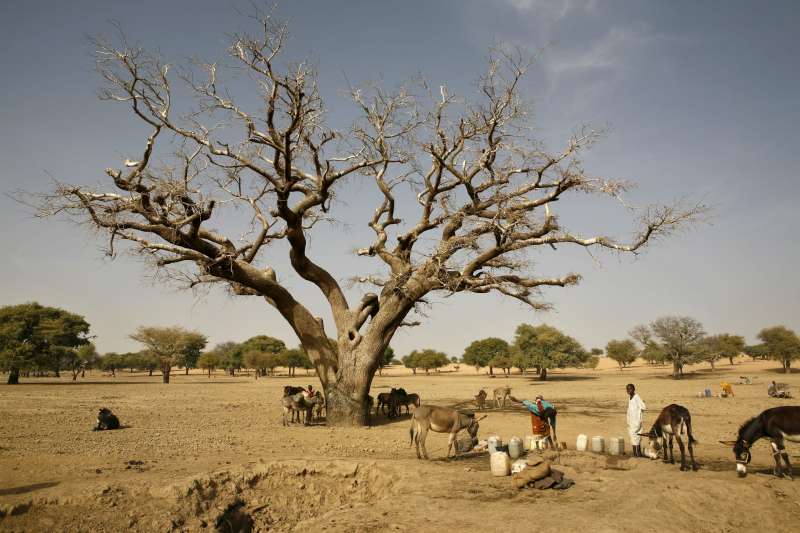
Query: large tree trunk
[543, 374]
[165, 370]
[187, 371]
[676, 369]
[491, 371]
[13, 376]
[74, 375]
[786, 366]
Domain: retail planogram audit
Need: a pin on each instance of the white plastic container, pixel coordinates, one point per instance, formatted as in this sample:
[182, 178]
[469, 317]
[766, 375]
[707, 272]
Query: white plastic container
[616, 446]
[598, 444]
[515, 447]
[500, 463]
[494, 441]
[580, 445]
[530, 442]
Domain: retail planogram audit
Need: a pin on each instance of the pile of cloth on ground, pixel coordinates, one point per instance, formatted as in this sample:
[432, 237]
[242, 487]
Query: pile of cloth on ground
[538, 474]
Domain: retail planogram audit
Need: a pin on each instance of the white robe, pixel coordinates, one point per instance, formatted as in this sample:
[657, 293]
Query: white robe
[635, 409]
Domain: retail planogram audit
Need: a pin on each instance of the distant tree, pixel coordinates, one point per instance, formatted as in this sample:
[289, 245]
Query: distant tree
[194, 343]
[546, 347]
[503, 362]
[596, 351]
[208, 361]
[292, 359]
[429, 359]
[623, 352]
[229, 354]
[481, 352]
[679, 340]
[77, 360]
[35, 336]
[782, 344]
[592, 362]
[386, 359]
[261, 344]
[721, 346]
[110, 362]
[168, 345]
[756, 351]
[411, 361]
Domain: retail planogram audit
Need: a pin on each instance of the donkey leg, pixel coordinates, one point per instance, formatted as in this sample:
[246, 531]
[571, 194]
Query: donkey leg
[671, 453]
[665, 449]
[423, 434]
[788, 464]
[776, 454]
[691, 455]
[683, 453]
[450, 445]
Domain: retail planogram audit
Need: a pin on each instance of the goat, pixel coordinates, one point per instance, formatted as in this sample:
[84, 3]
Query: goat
[673, 421]
[480, 399]
[500, 395]
[441, 420]
[778, 424]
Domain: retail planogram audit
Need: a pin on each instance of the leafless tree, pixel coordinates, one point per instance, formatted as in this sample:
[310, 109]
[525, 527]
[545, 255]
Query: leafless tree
[484, 186]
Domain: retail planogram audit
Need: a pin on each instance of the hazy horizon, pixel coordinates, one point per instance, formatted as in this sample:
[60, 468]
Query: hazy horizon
[700, 100]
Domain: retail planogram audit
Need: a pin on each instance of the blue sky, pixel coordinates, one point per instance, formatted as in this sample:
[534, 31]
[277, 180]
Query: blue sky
[699, 99]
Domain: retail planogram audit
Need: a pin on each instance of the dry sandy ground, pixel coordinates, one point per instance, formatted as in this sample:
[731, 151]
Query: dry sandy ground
[201, 452]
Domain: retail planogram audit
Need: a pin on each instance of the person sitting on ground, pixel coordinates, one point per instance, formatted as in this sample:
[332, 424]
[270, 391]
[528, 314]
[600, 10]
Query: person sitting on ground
[543, 418]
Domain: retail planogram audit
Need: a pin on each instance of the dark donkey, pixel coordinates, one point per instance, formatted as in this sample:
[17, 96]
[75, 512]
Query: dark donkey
[777, 424]
[674, 421]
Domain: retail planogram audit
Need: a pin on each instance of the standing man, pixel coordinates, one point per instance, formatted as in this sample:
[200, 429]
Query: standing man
[636, 408]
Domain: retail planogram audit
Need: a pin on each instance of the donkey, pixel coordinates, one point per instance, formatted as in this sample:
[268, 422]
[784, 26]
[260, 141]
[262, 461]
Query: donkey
[397, 398]
[299, 403]
[778, 424]
[480, 399]
[673, 421]
[500, 395]
[440, 420]
[383, 401]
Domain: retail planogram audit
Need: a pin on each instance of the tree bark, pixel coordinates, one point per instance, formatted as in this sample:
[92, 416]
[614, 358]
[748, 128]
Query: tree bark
[491, 371]
[543, 374]
[676, 369]
[786, 367]
[13, 376]
[165, 370]
[187, 371]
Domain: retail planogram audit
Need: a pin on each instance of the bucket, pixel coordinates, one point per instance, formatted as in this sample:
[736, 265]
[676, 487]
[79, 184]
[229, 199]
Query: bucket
[580, 445]
[494, 442]
[500, 464]
[616, 446]
[515, 447]
[598, 444]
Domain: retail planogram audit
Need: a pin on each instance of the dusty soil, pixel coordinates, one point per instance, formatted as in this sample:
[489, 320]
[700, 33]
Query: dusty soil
[211, 454]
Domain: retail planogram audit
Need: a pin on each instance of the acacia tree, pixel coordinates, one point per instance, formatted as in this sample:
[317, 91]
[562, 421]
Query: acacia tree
[546, 347]
[485, 188]
[480, 353]
[167, 346]
[208, 361]
[782, 344]
[36, 336]
[721, 346]
[623, 352]
[681, 340]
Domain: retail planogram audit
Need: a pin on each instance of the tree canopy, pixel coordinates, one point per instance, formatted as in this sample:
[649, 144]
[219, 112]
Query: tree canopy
[624, 352]
[427, 359]
[481, 352]
[782, 344]
[169, 345]
[544, 347]
[35, 336]
[680, 340]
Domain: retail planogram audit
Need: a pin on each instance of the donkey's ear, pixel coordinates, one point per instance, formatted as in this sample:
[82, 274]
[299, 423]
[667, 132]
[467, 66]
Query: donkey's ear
[728, 442]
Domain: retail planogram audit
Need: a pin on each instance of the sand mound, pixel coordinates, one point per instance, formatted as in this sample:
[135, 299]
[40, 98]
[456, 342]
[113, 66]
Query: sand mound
[275, 496]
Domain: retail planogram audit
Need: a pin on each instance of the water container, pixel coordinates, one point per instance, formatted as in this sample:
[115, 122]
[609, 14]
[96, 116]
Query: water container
[494, 442]
[500, 463]
[708, 393]
[616, 446]
[515, 447]
[518, 466]
[580, 445]
[530, 442]
[598, 444]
